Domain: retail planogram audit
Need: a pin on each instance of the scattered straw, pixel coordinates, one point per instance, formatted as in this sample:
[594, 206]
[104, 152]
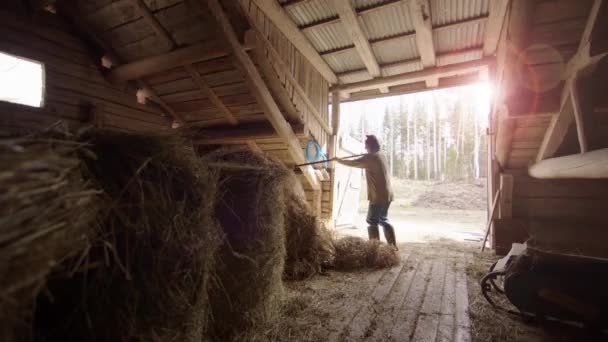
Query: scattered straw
[355, 253]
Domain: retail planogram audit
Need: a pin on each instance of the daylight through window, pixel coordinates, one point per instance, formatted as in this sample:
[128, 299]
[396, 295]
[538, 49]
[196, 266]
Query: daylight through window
[21, 80]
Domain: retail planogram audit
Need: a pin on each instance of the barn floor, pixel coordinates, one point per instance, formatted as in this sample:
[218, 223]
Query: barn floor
[431, 296]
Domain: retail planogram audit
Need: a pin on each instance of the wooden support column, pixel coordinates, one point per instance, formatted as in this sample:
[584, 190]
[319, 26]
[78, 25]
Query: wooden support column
[506, 196]
[333, 146]
[259, 88]
[577, 109]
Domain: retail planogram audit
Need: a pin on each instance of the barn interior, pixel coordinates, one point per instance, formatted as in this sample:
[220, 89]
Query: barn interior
[160, 188]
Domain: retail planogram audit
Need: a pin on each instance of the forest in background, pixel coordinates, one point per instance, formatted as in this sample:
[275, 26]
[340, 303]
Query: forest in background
[438, 135]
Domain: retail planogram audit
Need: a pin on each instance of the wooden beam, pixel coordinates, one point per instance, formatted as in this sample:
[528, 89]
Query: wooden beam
[591, 165]
[416, 76]
[570, 107]
[412, 88]
[148, 66]
[179, 120]
[292, 3]
[254, 146]
[506, 196]
[242, 134]
[259, 88]
[351, 26]
[210, 94]
[158, 28]
[420, 12]
[283, 22]
[504, 136]
[498, 11]
[271, 76]
[577, 110]
[250, 38]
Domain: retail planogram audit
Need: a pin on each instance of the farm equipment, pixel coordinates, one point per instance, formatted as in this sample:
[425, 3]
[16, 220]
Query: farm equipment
[549, 285]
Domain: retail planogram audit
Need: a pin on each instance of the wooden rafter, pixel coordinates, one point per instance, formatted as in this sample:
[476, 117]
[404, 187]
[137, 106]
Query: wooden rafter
[259, 88]
[498, 11]
[351, 26]
[176, 58]
[76, 20]
[210, 94]
[590, 165]
[283, 22]
[417, 76]
[420, 12]
[292, 3]
[158, 28]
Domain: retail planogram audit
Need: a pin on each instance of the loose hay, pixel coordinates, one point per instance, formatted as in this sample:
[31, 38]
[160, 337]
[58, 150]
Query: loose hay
[308, 243]
[47, 210]
[247, 290]
[147, 276]
[354, 253]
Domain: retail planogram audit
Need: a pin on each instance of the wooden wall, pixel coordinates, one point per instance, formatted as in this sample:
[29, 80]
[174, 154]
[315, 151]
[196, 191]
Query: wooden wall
[76, 91]
[315, 86]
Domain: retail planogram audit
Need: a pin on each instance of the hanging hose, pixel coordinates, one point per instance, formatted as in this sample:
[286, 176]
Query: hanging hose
[318, 156]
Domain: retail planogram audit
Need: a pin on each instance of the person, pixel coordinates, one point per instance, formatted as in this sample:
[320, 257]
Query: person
[379, 191]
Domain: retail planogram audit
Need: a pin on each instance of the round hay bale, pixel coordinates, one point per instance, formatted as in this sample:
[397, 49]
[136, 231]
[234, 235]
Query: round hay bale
[147, 276]
[308, 243]
[246, 293]
[355, 253]
[47, 215]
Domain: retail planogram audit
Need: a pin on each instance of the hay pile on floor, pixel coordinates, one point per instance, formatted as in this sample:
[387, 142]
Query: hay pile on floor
[247, 290]
[308, 243]
[47, 213]
[147, 276]
[354, 253]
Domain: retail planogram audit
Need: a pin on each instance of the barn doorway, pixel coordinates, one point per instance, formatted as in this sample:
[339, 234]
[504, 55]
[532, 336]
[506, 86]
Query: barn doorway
[436, 148]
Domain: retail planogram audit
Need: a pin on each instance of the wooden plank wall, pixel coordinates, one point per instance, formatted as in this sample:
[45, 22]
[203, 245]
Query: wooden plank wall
[75, 88]
[315, 86]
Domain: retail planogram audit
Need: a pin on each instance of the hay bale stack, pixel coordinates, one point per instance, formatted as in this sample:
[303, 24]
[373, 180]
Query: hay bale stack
[148, 274]
[47, 214]
[308, 243]
[355, 253]
[246, 294]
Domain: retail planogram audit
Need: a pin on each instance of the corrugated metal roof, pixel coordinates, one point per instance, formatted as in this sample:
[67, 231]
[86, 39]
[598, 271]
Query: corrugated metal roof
[387, 22]
[355, 77]
[328, 37]
[400, 68]
[459, 57]
[458, 38]
[344, 61]
[395, 50]
[311, 11]
[452, 11]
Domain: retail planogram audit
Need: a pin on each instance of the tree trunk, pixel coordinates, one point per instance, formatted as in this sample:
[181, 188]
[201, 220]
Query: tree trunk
[427, 153]
[476, 148]
[435, 145]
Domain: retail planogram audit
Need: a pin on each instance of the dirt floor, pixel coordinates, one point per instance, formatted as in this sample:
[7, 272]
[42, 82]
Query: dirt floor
[433, 295]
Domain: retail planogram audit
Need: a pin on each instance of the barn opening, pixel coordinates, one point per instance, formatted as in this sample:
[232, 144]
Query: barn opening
[170, 180]
[436, 148]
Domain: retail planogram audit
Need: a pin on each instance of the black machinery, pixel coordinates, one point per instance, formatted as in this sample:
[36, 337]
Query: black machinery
[549, 285]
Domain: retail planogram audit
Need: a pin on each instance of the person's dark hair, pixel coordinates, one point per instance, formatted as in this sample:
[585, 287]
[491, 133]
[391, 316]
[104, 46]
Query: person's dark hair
[372, 142]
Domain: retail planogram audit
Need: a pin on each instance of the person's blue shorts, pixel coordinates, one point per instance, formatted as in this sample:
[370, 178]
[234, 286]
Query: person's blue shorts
[377, 214]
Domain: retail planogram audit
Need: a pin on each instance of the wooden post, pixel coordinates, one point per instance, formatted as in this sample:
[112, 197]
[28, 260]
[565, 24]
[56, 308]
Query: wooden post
[333, 147]
[506, 199]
